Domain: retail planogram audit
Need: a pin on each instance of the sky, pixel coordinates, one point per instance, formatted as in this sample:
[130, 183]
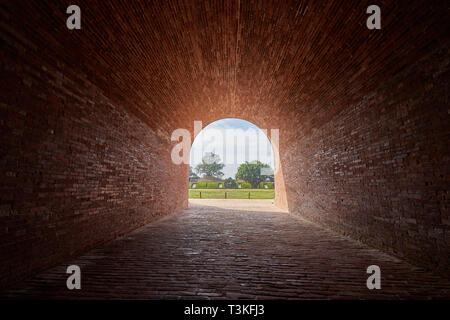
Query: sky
[235, 141]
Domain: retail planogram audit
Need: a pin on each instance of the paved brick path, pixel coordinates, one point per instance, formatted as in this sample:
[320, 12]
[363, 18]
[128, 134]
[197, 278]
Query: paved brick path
[234, 249]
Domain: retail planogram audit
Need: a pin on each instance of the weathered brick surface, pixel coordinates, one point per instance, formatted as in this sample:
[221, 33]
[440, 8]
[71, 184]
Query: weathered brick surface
[77, 170]
[233, 249]
[379, 170]
[86, 116]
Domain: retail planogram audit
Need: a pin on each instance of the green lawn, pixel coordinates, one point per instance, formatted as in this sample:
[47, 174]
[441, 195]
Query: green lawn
[232, 193]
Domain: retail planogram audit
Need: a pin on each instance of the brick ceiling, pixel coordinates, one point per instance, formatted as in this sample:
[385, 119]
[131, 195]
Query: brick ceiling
[175, 61]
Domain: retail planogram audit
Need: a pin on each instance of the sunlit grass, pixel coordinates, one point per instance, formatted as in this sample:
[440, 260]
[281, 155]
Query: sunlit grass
[232, 193]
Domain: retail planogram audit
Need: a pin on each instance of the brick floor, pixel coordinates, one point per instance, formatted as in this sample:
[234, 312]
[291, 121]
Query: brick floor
[228, 249]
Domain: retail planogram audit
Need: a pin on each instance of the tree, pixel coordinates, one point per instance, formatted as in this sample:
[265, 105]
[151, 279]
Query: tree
[192, 174]
[210, 166]
[251, 172]
[230, 183]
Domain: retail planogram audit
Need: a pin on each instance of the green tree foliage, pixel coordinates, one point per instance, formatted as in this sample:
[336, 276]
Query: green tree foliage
[251, 172]
[210, 166]
[192, 174]
[230, 183]
[265, 185]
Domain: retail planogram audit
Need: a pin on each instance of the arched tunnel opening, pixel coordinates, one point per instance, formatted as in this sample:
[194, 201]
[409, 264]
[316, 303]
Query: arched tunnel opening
[233, 159]
[87, 117]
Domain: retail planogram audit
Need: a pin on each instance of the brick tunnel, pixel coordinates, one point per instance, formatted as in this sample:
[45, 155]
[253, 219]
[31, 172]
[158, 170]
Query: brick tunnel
[363, 118]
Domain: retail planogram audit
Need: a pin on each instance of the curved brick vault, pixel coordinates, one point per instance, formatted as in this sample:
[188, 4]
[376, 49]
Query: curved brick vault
[87, 116]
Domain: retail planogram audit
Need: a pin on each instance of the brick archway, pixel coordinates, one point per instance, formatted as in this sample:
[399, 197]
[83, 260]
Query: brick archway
[272, 135]
[87, 116]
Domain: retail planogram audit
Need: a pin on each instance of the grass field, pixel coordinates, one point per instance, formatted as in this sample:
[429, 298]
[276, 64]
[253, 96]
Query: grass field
[231, 193]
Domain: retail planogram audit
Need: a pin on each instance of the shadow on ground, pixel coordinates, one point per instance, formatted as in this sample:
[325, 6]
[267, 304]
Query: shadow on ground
[232, 249]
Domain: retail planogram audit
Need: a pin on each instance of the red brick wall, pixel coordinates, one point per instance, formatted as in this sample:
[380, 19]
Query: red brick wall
[86, 117]
[379, 169]
[76, 169]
